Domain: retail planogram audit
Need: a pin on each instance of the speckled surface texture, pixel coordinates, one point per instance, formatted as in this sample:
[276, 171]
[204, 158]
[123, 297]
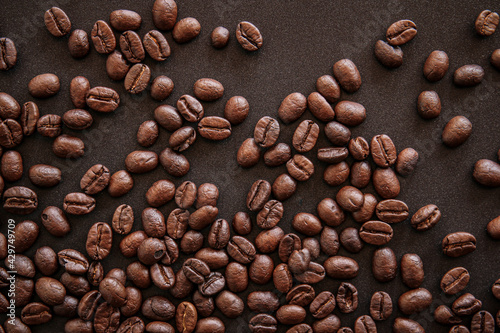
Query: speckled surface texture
[302, 40]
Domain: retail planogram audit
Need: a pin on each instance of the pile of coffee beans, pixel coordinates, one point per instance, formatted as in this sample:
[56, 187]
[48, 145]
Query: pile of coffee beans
[190, 253]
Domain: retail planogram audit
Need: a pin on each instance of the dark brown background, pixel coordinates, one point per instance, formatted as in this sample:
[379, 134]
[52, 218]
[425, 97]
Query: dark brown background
[302, 40]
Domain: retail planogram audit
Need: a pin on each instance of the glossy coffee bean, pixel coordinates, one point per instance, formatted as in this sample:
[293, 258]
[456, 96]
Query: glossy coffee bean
[319, 107]
[147, 134]
[161, 192]
[263, 323]
[402, 325]
[347, 74]
[458, 244]
[392, 211]
[249, 36]
[388, 55]
[161, 87]
[137, 78]
[361, 174]
[383, 151]
[263, 301]
[164, 14]
[367, 210]
[55, 221]
[77, 119]
[44, 85]
[330, 212]
[219, 37]
[151, 250]
[158, 308]
[487, 173]
[78, 44]
[186, 30]
[350, 113]
[9, 107]
[466, 305]
[103, 99]
[99, 241]
[208, 89]
[29, 117]
[45, 260]
[120, 183]
[339, 267]
[214, 128]
[78, 204]
[380, 306]
[426, 217]
[328, 87]
[300, 167]
[11, 133]
[455, 280]
[19, 200]
[365, 324]
[248, 154]
[236, 276]
[50, 125]
[141, 161]
[57, 22]
[322, 305]
[350, 198]
[258, 195]
[130, 243]
[483, 321]
[414, 301]
[267, 241]
[95, 180]
[117, 66]
[123, 19]
[456, 131]
[191, 242]
[386, 183]
[337, 133]
[236, 110]
[401, 32]
[407, 162]
[428, 105]
[307, 224]
[299, 261]
[11, 166]
[486, 23]
[412, 270]
[186, 317]
[175, 164]
[266, 131]
[241, 250]
[468, 75]
[384, 264]
[292, 107]
[332, 155]
[103, 37]
[347, 298]
[329, 241]
[336, 174]
[230, 304]
[305, 136]
[50, 291]
[8, 54]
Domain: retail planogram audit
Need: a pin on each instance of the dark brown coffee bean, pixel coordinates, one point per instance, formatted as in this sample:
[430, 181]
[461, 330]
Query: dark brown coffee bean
[459, 329]
[468, 75]
[54, 220]
[249, 36]
[282, 278]
[456, 131]
[248, 154]
[494, 59]
[88, 304]
[68, 308]
[95, 179]
[164, 14]
[361, 174]
[263, 301]
[219, 234]
[162, 276]
[347, 298]
[205, 306]
[50, 291]
[307, 224]
[392, 211]
[123, 19]
[44, 85]
[426, 217]
[314, 274]
[414, 301]
[212, 285]
[487, 173]
[139, 275]
[436, 66]
[132, 324]
[78, 91]
[113, 291]
[57, 22]
[328, 88]
[486, 24]
[49, 125]
[175, 164]
[9, 107]
[258, 195]
[29, 117]
[384, 265]
[153, 222]
[337, 133]
[236, 276]
[483, 321]
[292, 107]
[190, 108]
[11, 133]
[241, 250]
[78, 44]
[332, 155]
[131, 47]
[137, 78]
[445, 316]
[191, 242]
[157, 47]
[455, 280]
[147, 133]
[347, 74]
[210, 325]
[299, 261]
[230, 304]
[215, 259]
[402, 325]
[19, 200]
[103, 37]
[383, 151]
[95, 274]
[267, 241]
[24, 290]
[99, 241]
[177, 223]
[77, 119]
[288, 244]
[466, 305]
[214, 128]
[386, 183]
[305, 136]
[141, 161]
[22, 265]
[412, 270]
[270, 215]
[365, 324]
[388, 55]
[195, 270]
[158, 308]
[406, 162]
[8, 54]
[322, 305]
[186, 30]
[330, 212]
[219, 37]
[350, 113]
[236, 110]
[401, 32]
[185, 195]
[380, 305]
[350, 198]
[493, 228]
[319, 107]
[428, 104]
[161, 192]
[458, 244]
[203, 217]
[263, 323]
[120, 183]
[117, 66]
[330, 322]
[78, 204]
[75, 284]
[119, 274]
[11, 166]
[161, 87]
[266, 132]
[277, 155]
[284, 187]
[78, 325]
[291, 314]
[350, 240]
[339, 267]
[208, 194]
[186, 317]
[130, 244]
[45, 260]
[300, 167]
[329, 241]
[103, 99]
[359, 148]
[336, 174]
[208, 89]
[172, 251]
[73, 261]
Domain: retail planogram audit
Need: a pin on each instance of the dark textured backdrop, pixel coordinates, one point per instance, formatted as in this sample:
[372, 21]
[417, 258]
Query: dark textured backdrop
[302, 40]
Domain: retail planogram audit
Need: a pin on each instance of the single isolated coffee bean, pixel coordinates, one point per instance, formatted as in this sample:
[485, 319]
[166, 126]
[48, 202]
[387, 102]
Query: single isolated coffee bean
[161, 87]
[347, 74]
[486, 24]
[57, 22]
[493, 228]
[147, 134]
[266, 132]
[208, 89]
[103, 99]
[164, 14]
[406, 162]
[455, 280]
[123, 19]
[328, 87]
[426, 217]
[219, 37]
[487, 173]
[103, 37]
[456, 131]
[186, 30]
[44, 85]
[436, 66]
[458, 244]
[78, 44]
[8, 54]
[249, 36]
[468, 75]
[388, 55]
[248, 154]
[401, 32]
[337, 133]
[117, 66]
[236, 110]
[428, 104]
[319, 107]
[77, 119]
[214, 128]
[137, 78]
[412, 270]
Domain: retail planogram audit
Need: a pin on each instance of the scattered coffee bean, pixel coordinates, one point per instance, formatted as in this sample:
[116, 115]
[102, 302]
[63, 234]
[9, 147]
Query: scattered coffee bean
[486, 24]
[186, 30]
[141, 161]
[11, 166]
[103, 37]
[117, 66]
[386, 183]
[401, 32]
[219, 37]
[426, 217]
[376, 232]
[319, 107]
[347, 298]
[412, 270]
[214, 128]
[380, 306]
[123, 19]
[175, 164]
[466, 305]
[161, 87]
[388, 55]
[350, 198]
[164, 14]
[57, 22]
[137, 78]
[455, 280]
[347, 74]
[456, 131]
[44, 85]
[458, 244]
[8, 54]
[402, 325]
[19, 200]
[236, 110]
[361, 174]
[11, 133]
[103, 99]
[384, 265]
[249, 36]
[77, 119]
[208, 89]
[414, 301]
[55, 221]
[120, 183]
[342, 268]
[78, 203]
[78, 44]
[468, 75]
[49, 125]
[230, 304]
[305, 136]
[487, 173]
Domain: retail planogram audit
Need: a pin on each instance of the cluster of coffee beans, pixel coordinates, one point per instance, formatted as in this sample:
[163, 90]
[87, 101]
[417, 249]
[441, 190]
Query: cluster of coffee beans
[212, 276]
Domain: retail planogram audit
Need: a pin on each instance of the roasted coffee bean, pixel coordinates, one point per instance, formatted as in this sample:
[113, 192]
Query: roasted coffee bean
[161, 87]
[214, 128]
[412, 270]
[350, 113]
[388, 55]
[119, 274]
[168, 117]
[305, 136]
[26, 234]
[22, 265]
[78, 44]
[117, 66]
[215, 259]
[270, 214]
[131, 47]
[205, 306]
[191, 242]
[350, 198]
[172, 251]
[208, 194]
[414, 301]
[284, 187]
[103, 37]
[406, 162]
[330, 212]
[57, 22]
[29, 117]
[263, 323]
[299, 261]
[49, 125]
[380, 305]
[445, 316]
[158, 308]
[77, 119]
[277, 155]
[15, 325]
[347, 298]
[428, 104]
[230, 304]
[157, 47]
[249, 36]
[45, 260]
[383, 151]
[175, 164]
[75, 284]
[339, 267]
[487, 173]
[210, 325]
[219, 234]
[236, 110]
[456, 131]
[190, 108]
[55, 221]
[301, 295]
[248, 154]
[401, 32]
[9, 107]
[88, 304]
[266, 131]
[68, 308]
[73, 261]
[482, 322]
[468, 75]
[95, 274]
[120, 183]
[141, 161]
[164, 14]
[332, 155]
[494, 59]
[212, 285]
[386, 183]
[290, 314]
[103, 99]
[330, 322]
[185, 195]
[203, 217]
[292, 107]
[195, 270]
[162, 276]
[436, 66]
[322, 305]
[219, 37]
[459, 329]
[328, 88]
[95, 179]
[267, 241]
[123, 19]
[132, 324]
[350, 240]
[36, 313]
[11, 166]
[130, 244]
[319, 107]
[113, 291]
[359, 148]
[384, 264]
[8, 54]
[50, 291]
[337, 133]
[11, 133]
[365, 324]
[241, 250]
[161, 192]
[455, 280]
[153, 222]
[139, 275]
[402, 325]
[486, 24]
[177, 223]
[329, 241]
[288, 244]
[19, 200]
[44, 85]
[458, 244]
[258, 195]
[426, 217]
[263, 301]
[300, 167]
[236, 276]
[361, 174]
[307, 224]
[78, 204]
[137, 78]
[392, 211]
[282, 278]
[99, 241]
[78, 91]
[208, 89]
[466, 305]
[24, 290]
[147, 133]
[186, 317]
[347, 74]
[493, 228]
[186, 30]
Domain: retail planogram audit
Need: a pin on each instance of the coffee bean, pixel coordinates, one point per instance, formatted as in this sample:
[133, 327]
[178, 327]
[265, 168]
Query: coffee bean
[337, 133]
[263, 323]
[342, 268]
[307, 224]
[139, 275]
[78, 204]
[277, 155]
[44, 175]
[483, 322]
[11, 133]
[290, 314]
[266, 131]
[177, 223]
[236, 276]
[347, 74]
[361, 174]
[148, 133]
[263, 301]
[185, 195]
[208, 89]
[329, 241]
[305, 136]
[458, 244]
[401, 32]
[299, 261]
[57, 22]
[267, 241]
[459, 329]
[208, 194]
[50, 125]
[494, 58]
[75, 284]
[319, 107]
[241, 250]
[73, 261]
[493, 228]
[215, 259]
[436, 66]
[103, 99]
[288, 244]
[386, 183]
[19, 200]
[350, 240]
[153, 222]
[182, 287]
[103, 37]
[292, 107]
[99, 241]
[384, 264]
[113, 291]
[365, 324]
[141, 161]
[9, 107]
[8, 54]
[248, 154]
[158, 308]
[137, 78]
[77, 119]
[22, 265]
[118, 274]
[258, 195]
[54, 220]
[383, 151]
[380, 305]
[219, 37]
[330, 212]
[282, 278]
[88, 304]
[486, 24]
[11, 166]
[131, 46]
[347, 298]
[190, 108]
[123, 19]
[78, 44]
[229, 304]
[210, 325]
[27, 233]
[117, 66]
[203, 217]
[388, 55]
[175, 164]
[402, 325]
[414, 301]
[330, 322]
[270, 214]
[456, 131]
[455, 280]
[160, 193]
[130, 244]
[162, 276]
[132, 324]
[328, 88]
[50, 291]
[249, 36]
[44, 85]
[186, 317]
[236, 110]
[445, 316]
[468, 75]
[24, 290]
[322, 305]
[29, 117]
[195, 270]
[95, 179]
[428, 104]
[426, 217]
[205, 306]
[95, 274]
[332, 155]
[301, 295]
[161, 88]
[191, 242]
[466, 305]
[164, 14]
[407, 162]
[219, 234]
[186, 30]
[487, 173]
[214, 128]
[300, 167]
[68, 308]
[350, 113]
[120, 183]
[350, 198]
[412, 270]
[359, 148]
[392, 211]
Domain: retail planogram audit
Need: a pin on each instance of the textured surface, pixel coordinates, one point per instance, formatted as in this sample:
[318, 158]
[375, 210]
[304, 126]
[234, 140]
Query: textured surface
[302, 40]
